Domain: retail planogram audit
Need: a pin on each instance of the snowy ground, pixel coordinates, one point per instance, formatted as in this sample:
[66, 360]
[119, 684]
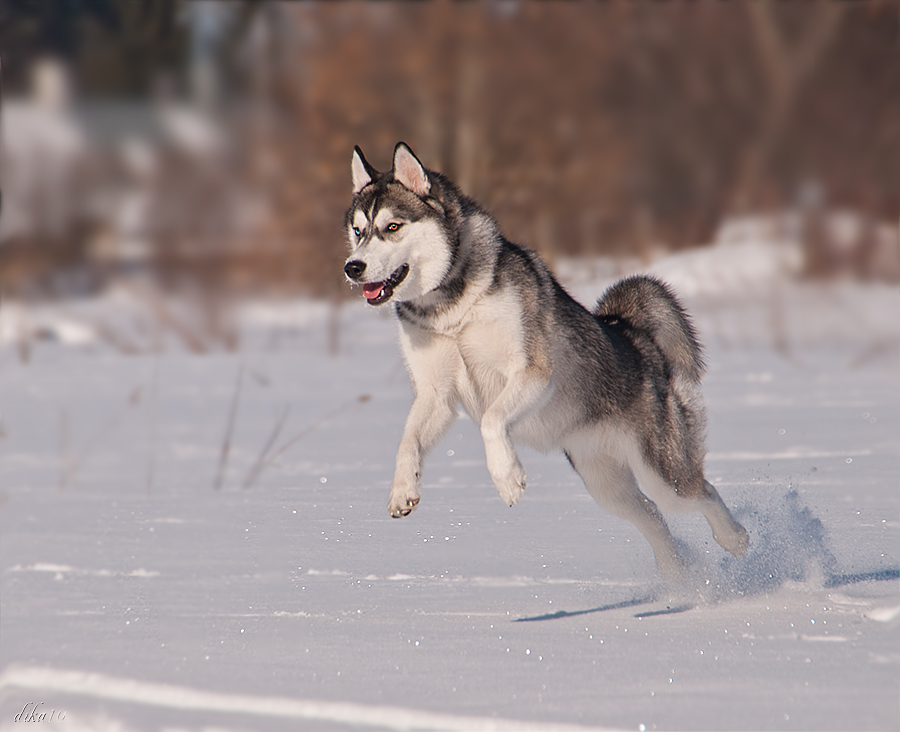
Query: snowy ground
[138, 595]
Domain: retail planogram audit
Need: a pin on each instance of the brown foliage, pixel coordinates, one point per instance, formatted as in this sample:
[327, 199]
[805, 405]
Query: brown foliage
[586, 127]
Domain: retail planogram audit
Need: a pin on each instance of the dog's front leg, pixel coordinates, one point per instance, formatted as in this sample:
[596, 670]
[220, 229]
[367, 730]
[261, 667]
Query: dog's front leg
[429, 419]
[523, 391]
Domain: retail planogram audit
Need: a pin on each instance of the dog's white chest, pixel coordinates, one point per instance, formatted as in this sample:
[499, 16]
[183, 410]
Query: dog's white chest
[475, 361]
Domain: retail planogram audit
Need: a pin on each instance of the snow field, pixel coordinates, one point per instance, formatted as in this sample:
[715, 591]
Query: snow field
[138, 596]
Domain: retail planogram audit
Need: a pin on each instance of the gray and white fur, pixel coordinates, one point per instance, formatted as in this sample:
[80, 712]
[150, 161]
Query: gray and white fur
[484, 323]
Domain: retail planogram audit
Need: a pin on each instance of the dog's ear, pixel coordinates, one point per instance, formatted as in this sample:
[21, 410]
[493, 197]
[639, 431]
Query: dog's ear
[363, 173]
[409, 172]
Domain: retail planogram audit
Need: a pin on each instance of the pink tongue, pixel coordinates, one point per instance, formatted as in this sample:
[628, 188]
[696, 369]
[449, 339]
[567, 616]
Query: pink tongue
[372, 289]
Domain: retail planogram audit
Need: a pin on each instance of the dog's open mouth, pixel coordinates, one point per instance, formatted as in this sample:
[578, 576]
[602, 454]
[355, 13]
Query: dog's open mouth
[379, 292]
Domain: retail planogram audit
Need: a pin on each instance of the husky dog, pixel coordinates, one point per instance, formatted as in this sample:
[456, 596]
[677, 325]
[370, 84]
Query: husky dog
[484, 323]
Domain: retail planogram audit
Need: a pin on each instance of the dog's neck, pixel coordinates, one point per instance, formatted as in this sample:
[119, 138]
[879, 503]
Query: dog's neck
[446, 308]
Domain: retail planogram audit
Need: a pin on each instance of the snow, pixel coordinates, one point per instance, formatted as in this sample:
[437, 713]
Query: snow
[39, 166]
[137, 596]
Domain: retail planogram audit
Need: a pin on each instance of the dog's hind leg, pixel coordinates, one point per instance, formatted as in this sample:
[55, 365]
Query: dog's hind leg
[614, 487]
[727, 532]
[700, 496]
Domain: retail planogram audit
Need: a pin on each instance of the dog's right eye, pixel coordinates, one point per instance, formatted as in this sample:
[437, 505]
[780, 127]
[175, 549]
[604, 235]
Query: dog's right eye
[356, 231]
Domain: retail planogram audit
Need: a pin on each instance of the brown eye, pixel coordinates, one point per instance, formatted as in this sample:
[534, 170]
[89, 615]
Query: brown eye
[394, 226]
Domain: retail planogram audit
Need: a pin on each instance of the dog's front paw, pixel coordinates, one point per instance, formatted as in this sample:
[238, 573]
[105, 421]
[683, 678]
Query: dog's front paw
[511, 485]
[403, 501]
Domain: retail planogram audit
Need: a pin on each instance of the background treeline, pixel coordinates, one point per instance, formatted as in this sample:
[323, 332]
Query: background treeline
[586, 127]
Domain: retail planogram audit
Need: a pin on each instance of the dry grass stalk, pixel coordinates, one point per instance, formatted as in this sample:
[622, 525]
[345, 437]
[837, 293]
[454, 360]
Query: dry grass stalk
[72, 466]
[229, 431]
[151, 454]
[361, 399]
[261, 462]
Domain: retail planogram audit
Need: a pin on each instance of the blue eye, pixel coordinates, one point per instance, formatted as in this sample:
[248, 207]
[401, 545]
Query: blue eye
[356, 231]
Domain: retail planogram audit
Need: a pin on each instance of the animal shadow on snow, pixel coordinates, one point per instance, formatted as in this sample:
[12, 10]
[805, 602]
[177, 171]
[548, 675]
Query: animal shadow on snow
[788, 545]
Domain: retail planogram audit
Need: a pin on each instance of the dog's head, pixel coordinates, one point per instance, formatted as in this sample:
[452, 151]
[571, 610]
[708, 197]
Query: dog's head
[398, 240]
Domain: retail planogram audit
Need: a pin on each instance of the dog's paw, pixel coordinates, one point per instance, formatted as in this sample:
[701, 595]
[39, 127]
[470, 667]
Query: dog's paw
[673, 567]
[506, 471]
[737, 542]
[511, 485]
[402, 502]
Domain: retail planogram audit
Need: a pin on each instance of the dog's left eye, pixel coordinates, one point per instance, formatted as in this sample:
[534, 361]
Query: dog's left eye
[394, 226]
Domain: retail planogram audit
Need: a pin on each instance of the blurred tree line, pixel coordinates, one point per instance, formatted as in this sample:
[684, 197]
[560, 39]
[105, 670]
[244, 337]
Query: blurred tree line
[586, 127]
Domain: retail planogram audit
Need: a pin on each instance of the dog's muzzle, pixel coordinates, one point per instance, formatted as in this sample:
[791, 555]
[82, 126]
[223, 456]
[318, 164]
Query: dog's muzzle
[354, 269]
[376, 292]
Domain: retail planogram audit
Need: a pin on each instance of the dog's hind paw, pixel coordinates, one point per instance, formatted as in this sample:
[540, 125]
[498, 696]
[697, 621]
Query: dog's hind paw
[673, 568]
[737, 542]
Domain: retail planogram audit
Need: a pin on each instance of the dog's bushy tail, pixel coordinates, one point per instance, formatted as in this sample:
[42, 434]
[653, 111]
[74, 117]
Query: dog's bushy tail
[649, 305]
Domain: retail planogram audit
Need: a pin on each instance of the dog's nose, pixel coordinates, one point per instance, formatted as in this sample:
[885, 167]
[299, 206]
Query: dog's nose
[354, 269]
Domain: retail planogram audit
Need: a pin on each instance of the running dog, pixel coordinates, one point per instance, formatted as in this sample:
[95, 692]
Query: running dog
[484, 323]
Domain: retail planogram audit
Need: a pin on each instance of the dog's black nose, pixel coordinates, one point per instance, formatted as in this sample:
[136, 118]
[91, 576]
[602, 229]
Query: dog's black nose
[354, 270]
